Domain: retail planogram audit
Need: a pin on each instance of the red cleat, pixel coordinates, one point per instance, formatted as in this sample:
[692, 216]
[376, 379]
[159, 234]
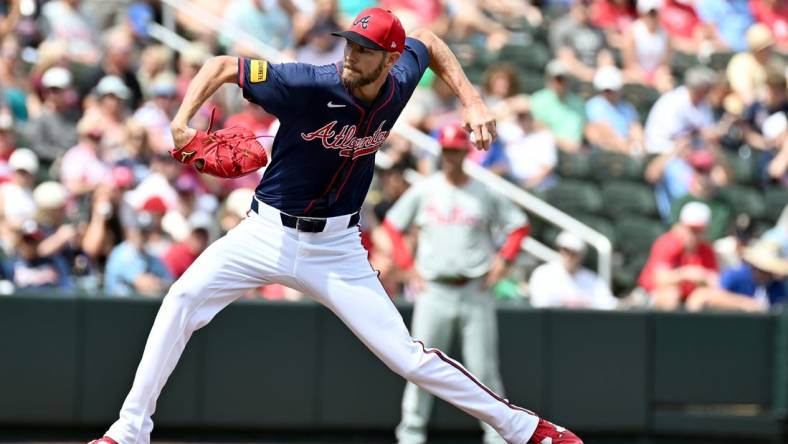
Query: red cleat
[549, 433]
[103, 440]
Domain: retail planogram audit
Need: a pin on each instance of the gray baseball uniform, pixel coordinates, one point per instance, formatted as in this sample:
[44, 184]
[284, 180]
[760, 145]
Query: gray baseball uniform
[457, 226]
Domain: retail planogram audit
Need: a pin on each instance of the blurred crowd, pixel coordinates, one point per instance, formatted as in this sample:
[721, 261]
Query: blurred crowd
[669, 111]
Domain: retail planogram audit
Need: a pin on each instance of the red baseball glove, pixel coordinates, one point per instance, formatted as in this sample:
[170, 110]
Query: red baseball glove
[228, 153]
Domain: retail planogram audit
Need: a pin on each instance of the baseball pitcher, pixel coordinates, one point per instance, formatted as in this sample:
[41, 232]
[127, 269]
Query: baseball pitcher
[302, 226]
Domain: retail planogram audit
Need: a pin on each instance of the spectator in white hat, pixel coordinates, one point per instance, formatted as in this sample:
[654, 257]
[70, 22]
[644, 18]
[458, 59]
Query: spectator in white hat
[613, 123]
[54, 130]
[111, 108]
[757, 284]
[16, 195]
[60, 235]
[565, 283]
[747, 71]
[646, 49]
[681, 261]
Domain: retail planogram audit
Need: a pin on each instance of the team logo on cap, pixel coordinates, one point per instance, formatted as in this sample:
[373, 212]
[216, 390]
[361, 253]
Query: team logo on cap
[364, 21]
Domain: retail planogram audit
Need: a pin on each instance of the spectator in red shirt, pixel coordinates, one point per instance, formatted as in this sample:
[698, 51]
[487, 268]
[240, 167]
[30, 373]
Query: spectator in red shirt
[681, 260]
[180, 255]
[774, 14]
[615, 17]
[680, 20]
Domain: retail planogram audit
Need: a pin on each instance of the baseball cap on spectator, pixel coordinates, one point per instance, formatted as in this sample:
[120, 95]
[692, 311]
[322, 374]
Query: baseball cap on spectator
[186, 183]
[645, 6]
[759, 37]
[24, 159]
[702, 160]
[556, 68]
[608, 78]
[154, 205]
[50, 195]
[376, 28]
[569, 241]
[112, 85]
[56, 77]
[121, 176]
[454, 137]
[699, 77]
[695, 214]
[766, 256]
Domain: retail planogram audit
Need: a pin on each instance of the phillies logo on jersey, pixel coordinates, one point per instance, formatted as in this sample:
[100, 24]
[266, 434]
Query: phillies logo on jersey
[346, 141]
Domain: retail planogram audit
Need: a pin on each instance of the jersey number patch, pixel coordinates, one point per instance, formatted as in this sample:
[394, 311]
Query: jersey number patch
[258, 71]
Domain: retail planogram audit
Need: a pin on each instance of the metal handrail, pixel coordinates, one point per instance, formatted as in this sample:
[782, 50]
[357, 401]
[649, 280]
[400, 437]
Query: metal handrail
[518, 195]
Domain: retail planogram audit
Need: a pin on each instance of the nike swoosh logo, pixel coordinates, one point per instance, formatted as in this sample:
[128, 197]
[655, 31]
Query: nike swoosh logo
[335, 105]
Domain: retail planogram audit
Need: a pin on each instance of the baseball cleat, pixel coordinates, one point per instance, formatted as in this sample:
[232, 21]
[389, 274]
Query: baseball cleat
[549, 433]
[103, 440]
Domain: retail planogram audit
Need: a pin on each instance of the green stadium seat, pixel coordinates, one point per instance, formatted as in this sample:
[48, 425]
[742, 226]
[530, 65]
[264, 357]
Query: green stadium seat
[743, 168]
[623, 199]
[776, 200]
[642, 97]
[574, 166]
[719, 60]
[625, 278]
[746, 200]
[606, 165]
[575, 196]
[636, 234]
[681, 62]
[530, 81]
[600, 224]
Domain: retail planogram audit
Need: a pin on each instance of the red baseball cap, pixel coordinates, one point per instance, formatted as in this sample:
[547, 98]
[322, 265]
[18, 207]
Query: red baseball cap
[702, 160]
[454, 137]
[376, 28]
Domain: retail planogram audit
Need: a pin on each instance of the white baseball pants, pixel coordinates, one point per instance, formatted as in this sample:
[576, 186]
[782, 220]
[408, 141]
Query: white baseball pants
[332, 268]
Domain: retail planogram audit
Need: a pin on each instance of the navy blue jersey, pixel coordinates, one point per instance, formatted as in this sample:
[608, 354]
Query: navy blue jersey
[324, 152]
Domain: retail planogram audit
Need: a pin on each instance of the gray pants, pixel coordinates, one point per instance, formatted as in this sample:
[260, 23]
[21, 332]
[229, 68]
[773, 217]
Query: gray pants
[438, 313]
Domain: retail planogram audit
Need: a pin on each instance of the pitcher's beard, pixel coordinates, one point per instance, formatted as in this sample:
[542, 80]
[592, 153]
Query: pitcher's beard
[361, 80]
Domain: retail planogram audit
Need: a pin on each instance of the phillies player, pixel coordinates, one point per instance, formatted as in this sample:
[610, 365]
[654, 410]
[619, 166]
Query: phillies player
[301, 230]
[457, 218]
